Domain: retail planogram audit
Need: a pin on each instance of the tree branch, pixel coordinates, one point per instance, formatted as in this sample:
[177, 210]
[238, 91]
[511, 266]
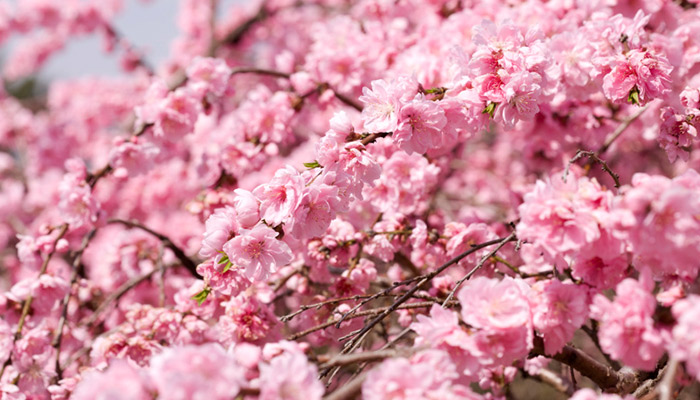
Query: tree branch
[179, 254]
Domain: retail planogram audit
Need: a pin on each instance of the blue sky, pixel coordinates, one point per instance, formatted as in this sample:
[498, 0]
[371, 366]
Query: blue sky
[150, 26]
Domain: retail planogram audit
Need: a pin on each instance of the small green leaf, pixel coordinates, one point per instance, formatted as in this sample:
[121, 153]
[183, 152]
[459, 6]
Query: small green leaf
[228, 266]
[201, 297]
[633, 97]
[224, 259]
[312, 165]
[490, 108]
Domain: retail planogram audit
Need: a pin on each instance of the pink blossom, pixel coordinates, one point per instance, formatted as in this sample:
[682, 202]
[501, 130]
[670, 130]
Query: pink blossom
[642, 71]
[290, 376]
[112, 383]
[382, 106]
[555, 217]
[420, 126]
[131, 158]
[442, 331]
[280, 197]
[676, 135]
[521, 98]
[212, 74]
[500, 310]
[317, 207]
[196, 372]
[258, 251]
[559, 309]
[77, 205]
[627, 329]
[247, 208]
[685, 346]
[221, 227]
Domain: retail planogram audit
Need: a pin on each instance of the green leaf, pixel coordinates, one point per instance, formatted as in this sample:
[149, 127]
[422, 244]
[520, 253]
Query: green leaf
[490, 108]
[312, 165]
[201, 297]
[633, 97]
[228, 266]
[224, 259]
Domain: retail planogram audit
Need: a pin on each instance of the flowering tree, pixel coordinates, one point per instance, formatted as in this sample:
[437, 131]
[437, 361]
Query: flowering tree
[378, 199]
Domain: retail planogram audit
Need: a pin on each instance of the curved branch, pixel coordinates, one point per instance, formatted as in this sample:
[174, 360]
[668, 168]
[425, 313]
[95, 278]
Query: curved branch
[179, 254]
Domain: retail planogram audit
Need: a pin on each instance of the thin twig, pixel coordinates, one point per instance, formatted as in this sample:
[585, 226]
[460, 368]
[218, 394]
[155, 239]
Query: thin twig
[58, 335]
[28, 301]
[478, 266]
[179, 254]
[423, 280]
[593, 157]
[620, 129]
[365, 313]
[116, 295]
[376, 355]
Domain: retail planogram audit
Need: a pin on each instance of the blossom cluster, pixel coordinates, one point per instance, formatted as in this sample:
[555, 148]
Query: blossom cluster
[355, 199]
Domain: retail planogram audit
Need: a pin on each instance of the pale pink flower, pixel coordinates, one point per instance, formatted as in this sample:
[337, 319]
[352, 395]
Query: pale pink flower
[196, 372]
[627, 329]
[420, 126]
[132, 157]
[685, 345]
[258, 251]
[442, 331]
[317, 207]
[120, 381]
[290, 376]
[381, 107]
[247, 208]
[521, 98]
[77, 205]
[221, 227]
[556, 218]
[559, 309]
[280, 197]
[500, 311]
[212, 74]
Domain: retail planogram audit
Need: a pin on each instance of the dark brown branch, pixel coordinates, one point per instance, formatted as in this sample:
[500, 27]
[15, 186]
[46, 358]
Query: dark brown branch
[259, 71]
[350, 346]
[593, 157]
[116, 295]
[349, 391]
[179, 254]
[604, 376]
[478, 266]
[620, 129]
[237, 34]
